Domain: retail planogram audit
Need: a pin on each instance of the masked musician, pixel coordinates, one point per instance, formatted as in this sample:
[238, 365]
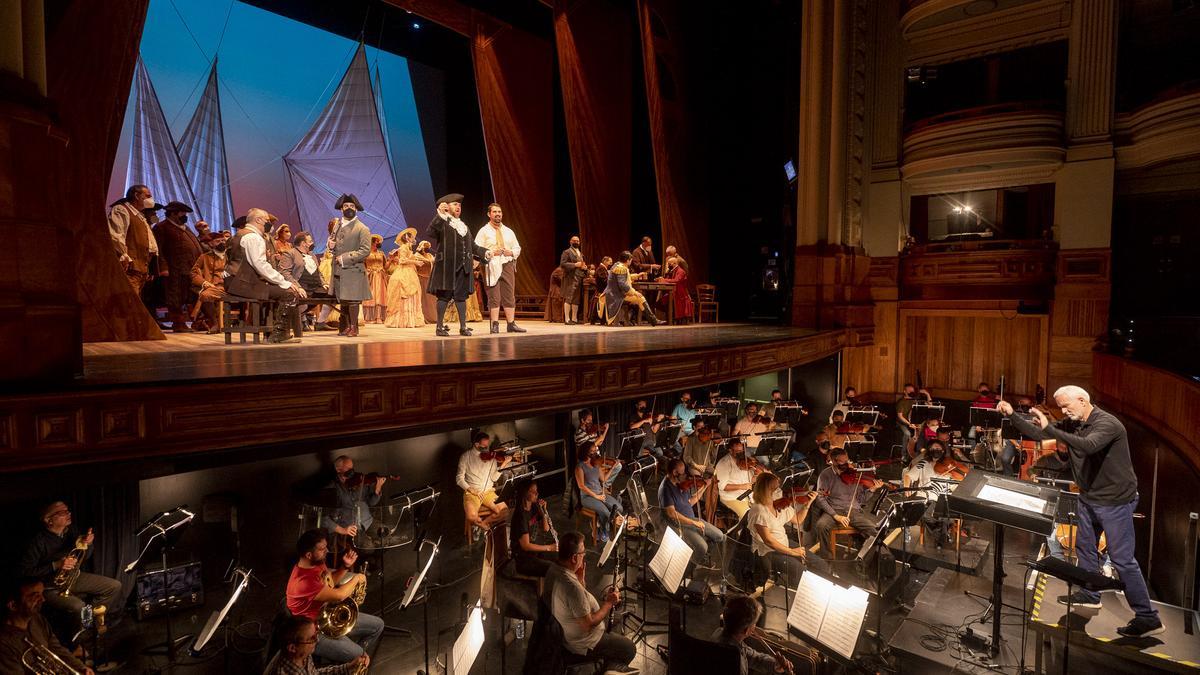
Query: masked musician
[298, 638]
[769, 539]
[580, 615]
[841, 495]
[530, 522]
[677, 500]
[700, 451]
[738, 619]
[904, 406]
[50, 552]
[647, 421]
[24, 625]
[735, 475]
[308, 589]
[588, 430]
[849, 401]
[685, 411]
[768, 409]
[355, 498]
[478, 470]
[934, 463]
[1108, 494]
[594, 478]
[750, 426]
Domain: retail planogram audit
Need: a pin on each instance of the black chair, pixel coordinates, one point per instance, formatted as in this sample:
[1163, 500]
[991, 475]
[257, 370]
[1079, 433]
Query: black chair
[690, 655]
[546, 654]
[275, 636]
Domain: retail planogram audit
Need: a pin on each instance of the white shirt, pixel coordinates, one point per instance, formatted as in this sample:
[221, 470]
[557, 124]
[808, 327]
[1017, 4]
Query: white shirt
[254, 246]
[119, 220]
[494, 240]
[473, 472]
[728, 473]
[921, 475]
[569, 602]
[761, 515]
[310, 263]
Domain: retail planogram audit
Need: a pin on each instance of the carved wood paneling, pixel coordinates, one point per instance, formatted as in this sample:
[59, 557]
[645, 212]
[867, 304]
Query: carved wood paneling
[1165, 402]
[122, 423]
[1023, 270]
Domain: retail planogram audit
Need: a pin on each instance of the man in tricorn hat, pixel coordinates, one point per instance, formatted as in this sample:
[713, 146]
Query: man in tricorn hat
[451, 277]
[178, 249]
[350, 243]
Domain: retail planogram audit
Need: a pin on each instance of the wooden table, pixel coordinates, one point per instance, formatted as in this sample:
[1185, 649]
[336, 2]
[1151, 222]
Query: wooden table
[648, 286]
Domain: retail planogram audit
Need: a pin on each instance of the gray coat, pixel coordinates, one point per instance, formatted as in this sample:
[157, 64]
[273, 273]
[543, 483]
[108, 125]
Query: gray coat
[349, 282]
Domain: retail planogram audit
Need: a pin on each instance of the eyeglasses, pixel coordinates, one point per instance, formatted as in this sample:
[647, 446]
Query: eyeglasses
[311, 641]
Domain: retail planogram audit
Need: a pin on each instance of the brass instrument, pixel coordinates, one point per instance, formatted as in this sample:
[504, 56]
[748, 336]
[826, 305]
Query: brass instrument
[362, 668]
[337, 619]
[65, 579]
[38, 659]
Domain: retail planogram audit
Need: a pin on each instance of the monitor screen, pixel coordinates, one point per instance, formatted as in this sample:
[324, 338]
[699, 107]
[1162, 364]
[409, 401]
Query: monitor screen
[789, 168]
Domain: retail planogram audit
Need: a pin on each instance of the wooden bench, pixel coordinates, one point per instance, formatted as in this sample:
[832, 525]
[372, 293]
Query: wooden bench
[529, 307]
[252, 320]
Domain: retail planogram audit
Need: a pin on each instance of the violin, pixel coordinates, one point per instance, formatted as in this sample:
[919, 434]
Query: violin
[690, 484]
[500, 454]
[850, 475]
[748, 463]
[950, 467]
[796, 497]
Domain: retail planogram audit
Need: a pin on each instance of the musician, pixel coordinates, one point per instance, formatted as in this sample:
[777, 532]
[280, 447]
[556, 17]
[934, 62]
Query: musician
[904, 410]
[353, 512]
[983, 399]
[1010, 462]
[1099, 450]
[646, 420]
[768, 536]
[738, 619]
[750, 426]
[840, 500]
[768, 410]
[23, 620]
[477, 476]
[735, 474]
[579, 614]
[297, 641]
[528, 519]
[309, 588]
[684, 412]
[699, 451]
[594, 480]
[49, 552]
[837, 431]
[844, 405]
[588, 430]
[935, 462]
[677, 502]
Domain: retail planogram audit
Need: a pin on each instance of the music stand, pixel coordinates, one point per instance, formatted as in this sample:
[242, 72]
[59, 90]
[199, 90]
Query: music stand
[869, 418]
[466, 647]
[670, 563]
[164, 530]
[922, 412]
[731, 406]
[788, 413]
[667, 434]
[986, 418]
[860, 449]
[242, 577]
[411, 591]
[631, 444]
[710, 416]
[1073, 576]
[829, 614]
[773, 444]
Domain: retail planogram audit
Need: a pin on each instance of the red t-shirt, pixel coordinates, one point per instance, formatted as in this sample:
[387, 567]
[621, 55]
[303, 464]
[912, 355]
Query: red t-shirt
[302, 589]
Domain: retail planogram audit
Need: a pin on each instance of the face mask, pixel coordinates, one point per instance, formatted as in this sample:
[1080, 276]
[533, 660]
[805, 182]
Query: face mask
[348, 214]
[183, 219]
[267, 226]
[147, 203]
[575, 245]
[219, 248]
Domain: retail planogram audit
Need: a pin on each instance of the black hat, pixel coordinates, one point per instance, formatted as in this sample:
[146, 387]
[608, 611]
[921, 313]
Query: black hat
[450, 198]
[178, 206]
[348, 198]
[239, 223]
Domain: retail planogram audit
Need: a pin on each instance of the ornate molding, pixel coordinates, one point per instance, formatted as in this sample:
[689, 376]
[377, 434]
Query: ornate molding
[940, 31]
[115, 423]
[994, 269]
[1159, 132]
[987, 150]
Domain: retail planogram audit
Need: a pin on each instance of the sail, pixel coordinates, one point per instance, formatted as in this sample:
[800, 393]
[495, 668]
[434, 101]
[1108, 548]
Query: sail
[153, 160]
[345, 152]
[202, 149]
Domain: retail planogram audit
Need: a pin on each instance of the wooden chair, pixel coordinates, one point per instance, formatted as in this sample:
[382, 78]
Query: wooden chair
[256, 320]
[584, 513]
[706, 303]
[833, 538]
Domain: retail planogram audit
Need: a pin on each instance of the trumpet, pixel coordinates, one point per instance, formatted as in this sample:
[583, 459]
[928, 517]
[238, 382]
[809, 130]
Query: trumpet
[38, 659]
[65, 579]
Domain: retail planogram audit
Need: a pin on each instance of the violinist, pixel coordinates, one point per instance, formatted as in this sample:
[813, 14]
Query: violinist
[841, 495]
[735, 474]
[594, 479]
[588, 430]
[838, 432]
[751, 425]
[768, 538]
[354, 496]
[843, 406]
[700, 451]
[684, 411]
[904, 411]
[478, 469]
[768, 410]
[677, 498]
[738, 621]
[646, 420]
[935, 462]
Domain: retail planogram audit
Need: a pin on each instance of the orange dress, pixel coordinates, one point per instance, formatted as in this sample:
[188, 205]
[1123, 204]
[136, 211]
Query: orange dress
[377, 279]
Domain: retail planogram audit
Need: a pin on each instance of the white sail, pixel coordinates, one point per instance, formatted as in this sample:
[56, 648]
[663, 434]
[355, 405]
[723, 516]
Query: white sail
[202, 150]
[153, 160]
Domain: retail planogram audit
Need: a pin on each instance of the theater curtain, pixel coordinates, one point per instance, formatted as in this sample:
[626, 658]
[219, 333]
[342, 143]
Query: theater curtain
[89, 75]
[514, 76]
[676, 134]
[594, 41]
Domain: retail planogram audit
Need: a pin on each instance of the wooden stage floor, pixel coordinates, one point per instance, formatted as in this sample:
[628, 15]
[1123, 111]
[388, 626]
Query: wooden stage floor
[199, 356]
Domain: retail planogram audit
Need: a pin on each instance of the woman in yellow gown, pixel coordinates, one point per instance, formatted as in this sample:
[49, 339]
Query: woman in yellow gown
[377, 278]
[404, 290]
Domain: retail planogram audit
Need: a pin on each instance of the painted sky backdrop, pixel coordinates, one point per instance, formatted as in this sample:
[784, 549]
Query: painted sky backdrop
[275, 75]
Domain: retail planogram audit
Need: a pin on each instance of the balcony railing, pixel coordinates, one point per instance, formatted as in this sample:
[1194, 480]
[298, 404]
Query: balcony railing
[1006, 269]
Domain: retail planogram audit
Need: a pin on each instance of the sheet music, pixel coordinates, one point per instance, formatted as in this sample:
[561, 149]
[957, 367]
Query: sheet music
[612, 543]
[808, 605]
[843, 620]
[467, 646]
[670, 560]
[412, 588]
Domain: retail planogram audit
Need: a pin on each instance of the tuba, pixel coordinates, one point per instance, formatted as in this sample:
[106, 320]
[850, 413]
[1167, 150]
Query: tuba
[38, 659]
[337, 619]
[65, 579]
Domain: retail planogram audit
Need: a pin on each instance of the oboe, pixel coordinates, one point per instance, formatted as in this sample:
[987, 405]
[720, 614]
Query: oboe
[549, 522]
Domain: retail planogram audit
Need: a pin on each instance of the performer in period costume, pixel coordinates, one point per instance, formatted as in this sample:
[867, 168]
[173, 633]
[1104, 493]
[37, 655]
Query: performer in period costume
[351, 244]
[554, 300]
[178, 251]
[428, 300]
[642, 260]
[672, 253]
[131, 235]
[375, 307]
[249, 275]
[475, 300]
[451, 277]
[500, 273]
[208, 281]
[620, 292]
[328, 312]
[404, 288]
[299, 266]
[676, 274]
[574, 270]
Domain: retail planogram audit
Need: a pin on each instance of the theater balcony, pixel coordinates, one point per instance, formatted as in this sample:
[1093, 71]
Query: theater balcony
[979, 269]
[996, 145]
[1164, 129]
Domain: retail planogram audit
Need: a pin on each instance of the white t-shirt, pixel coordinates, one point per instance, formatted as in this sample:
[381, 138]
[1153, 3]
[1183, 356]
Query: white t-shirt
[570, 601]
[473, 472]
[727, 472]
[761, 515]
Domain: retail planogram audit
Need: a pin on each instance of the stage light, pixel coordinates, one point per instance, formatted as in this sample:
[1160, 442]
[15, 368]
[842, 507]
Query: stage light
[967, 209]
[416, 25]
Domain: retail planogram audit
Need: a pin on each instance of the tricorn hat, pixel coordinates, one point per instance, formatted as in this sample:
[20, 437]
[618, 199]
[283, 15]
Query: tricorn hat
[450, 198]
[348, 198]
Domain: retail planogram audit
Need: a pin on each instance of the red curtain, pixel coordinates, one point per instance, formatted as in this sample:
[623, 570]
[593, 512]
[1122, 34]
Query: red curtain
[514, 77]
[676, 137]
[595, 40]
[89, 75]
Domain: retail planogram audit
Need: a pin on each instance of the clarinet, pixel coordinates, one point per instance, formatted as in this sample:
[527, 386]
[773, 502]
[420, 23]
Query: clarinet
[546, 518]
